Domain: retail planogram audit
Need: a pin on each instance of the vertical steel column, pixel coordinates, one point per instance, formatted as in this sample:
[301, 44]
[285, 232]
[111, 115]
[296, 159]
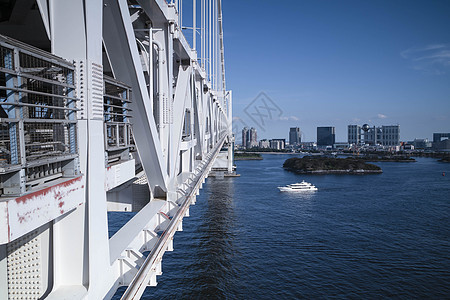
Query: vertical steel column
[229, 97]
[202, 34]
[11, 110]
[71, 114]
[209, 41]
[150, 71]
[194, 25]
[213, 45]
[125, 95]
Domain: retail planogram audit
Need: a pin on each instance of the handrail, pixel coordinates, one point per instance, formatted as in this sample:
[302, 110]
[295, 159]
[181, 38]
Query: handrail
[139, 282]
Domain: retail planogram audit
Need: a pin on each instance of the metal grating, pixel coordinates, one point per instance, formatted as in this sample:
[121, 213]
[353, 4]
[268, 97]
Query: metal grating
[118, 134]
[37, 110]
[46, 140]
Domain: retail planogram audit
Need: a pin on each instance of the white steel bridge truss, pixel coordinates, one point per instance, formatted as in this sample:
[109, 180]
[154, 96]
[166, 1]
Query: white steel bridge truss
[108, 105]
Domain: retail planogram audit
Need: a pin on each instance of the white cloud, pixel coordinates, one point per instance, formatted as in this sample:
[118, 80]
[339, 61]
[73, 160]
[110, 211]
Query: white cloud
[432, 59]
[412, 52]
[290, 118]
[381, 116]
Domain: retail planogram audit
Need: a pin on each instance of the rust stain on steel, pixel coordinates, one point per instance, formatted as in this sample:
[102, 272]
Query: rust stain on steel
[58, 196]
[45, 191]
[7, 220]
[28, 214]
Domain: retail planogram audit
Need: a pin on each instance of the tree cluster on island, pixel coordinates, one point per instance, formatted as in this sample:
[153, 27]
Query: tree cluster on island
[259, 149]
[247, 156]
[329, 165]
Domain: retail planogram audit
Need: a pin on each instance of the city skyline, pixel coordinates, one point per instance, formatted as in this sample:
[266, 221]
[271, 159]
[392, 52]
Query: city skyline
[319, 69]
[287, 134]
[388, 135]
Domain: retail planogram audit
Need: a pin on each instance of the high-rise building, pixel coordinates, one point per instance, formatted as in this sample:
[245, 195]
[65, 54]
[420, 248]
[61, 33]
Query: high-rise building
[244, 137]
[253, 138]
[326, 136]
[249, 138]
[382, 135]
[294, 136]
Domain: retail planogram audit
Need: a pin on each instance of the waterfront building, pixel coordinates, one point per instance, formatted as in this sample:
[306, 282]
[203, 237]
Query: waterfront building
[278, 144]
[421, 143]
[253, 138]
[341, 146]
[354, 134]
[439, 137]
[308, 146]
[244, 137]
[366, 135]
[326, 136]
[294, 136]
[441, 141]
[249, 138]
[264, 143]
[390, 135]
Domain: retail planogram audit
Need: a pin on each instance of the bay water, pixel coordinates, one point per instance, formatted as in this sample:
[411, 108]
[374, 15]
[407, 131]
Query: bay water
[358, 236]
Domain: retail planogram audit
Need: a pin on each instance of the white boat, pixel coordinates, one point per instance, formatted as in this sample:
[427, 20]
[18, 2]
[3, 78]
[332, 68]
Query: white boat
[298, 187]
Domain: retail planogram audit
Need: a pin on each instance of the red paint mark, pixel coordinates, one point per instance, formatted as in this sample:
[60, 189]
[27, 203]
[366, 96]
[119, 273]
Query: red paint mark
[164, 214]
[58, 195]
[7, 220]
[21, 219]
[48, 190]
[61, 211]
[61, 203]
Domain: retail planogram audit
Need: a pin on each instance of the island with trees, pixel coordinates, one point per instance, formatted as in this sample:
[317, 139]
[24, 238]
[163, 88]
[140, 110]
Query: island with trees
[330, 165]
[247, 156]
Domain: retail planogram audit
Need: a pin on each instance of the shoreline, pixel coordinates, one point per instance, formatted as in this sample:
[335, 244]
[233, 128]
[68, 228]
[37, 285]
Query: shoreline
[247, 158]
[346, 172]
[271, 152]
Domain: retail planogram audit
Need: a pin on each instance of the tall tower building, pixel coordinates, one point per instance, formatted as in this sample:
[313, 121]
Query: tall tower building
[326, 136]
[249, 138]
[253, 138]
[244, 137]
[294, 136]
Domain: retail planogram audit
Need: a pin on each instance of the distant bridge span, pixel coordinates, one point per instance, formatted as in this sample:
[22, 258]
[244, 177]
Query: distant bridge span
[108, 105]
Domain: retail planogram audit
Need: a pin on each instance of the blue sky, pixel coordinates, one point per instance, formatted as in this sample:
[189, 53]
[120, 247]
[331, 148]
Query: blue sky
[334, 63]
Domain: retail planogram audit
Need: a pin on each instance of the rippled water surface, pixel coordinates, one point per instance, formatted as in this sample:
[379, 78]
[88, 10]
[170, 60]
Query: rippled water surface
[359, 236]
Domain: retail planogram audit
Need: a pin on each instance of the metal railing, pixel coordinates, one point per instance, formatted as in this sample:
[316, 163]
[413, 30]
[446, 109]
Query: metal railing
[38, 126]
[140, 281]
[118, 135]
